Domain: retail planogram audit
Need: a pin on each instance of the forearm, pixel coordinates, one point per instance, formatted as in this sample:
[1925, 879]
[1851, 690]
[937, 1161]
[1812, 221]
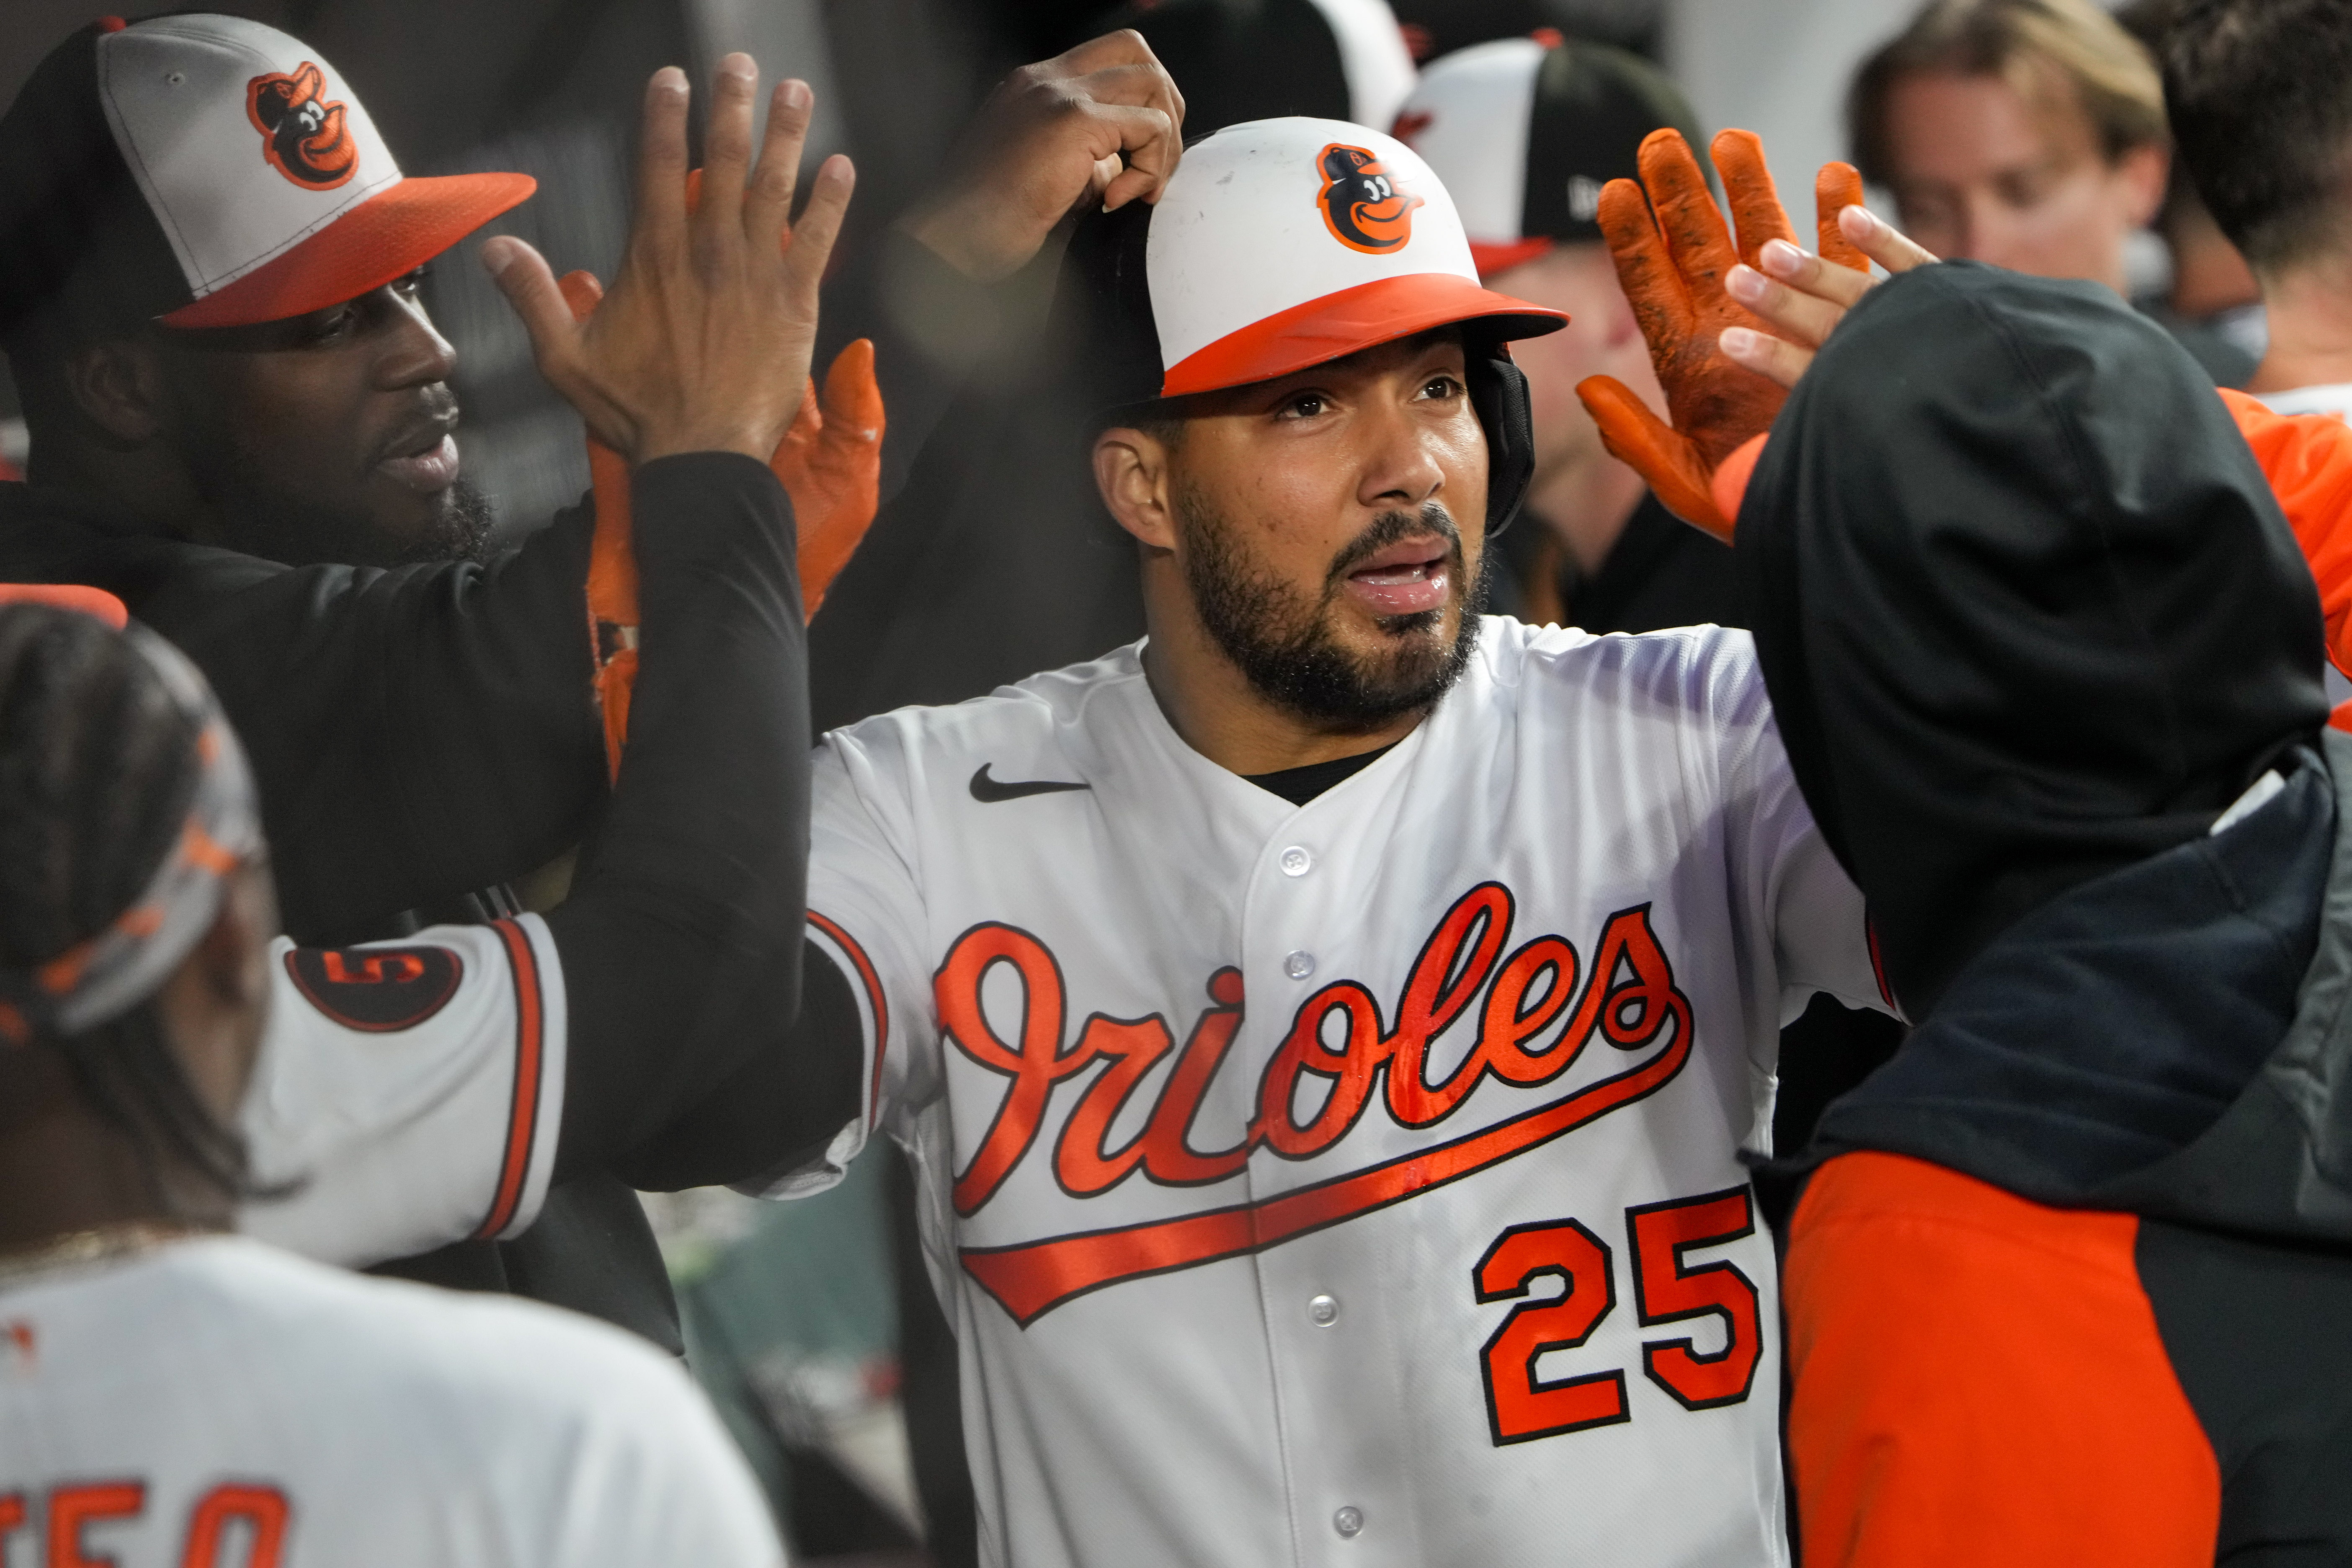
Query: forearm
[791, 1097]
[681, 939]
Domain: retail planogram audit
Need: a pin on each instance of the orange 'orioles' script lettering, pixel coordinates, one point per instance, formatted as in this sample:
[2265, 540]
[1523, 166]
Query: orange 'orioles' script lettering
[1337, 1037]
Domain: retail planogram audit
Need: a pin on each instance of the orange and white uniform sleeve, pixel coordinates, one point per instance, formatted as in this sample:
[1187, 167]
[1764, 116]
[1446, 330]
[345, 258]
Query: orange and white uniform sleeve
[408, 1093]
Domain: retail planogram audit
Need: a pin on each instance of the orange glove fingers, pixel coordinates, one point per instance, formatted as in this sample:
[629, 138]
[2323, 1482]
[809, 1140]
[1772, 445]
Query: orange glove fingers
[1755, 201]
[852, 398]
[611, 562]
[1652, 287]
[1837, 187]
[612, 569]
[1687, 216]
[831, 464]
[1650, 448]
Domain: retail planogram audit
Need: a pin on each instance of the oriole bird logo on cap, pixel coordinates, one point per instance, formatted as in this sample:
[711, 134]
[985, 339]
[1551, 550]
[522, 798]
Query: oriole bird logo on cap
[303, 135]
[1363, 207]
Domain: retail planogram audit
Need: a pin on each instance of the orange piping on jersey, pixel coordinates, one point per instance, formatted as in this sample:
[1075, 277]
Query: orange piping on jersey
[70, 1507]
[873, 983]
[522, 1124]
[262, 1508]
[12, 1517]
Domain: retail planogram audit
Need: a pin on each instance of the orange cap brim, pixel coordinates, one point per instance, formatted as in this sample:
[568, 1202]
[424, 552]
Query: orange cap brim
[384, 237]
[95, 602]
[1348, 321]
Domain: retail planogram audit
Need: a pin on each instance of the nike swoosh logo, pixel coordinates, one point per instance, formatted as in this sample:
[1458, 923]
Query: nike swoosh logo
[989, 791]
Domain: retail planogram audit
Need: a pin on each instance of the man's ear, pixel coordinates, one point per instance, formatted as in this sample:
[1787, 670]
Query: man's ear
[117, 383]
[1132, 475]
[2144, 171]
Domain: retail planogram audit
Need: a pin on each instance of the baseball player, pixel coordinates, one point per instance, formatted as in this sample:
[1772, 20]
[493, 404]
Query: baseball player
[173, 1394]
[1327, 1032]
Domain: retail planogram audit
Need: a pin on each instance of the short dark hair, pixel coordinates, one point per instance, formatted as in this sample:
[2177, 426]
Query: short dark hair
[98, 767]
[2029, 44]
[2260, 96]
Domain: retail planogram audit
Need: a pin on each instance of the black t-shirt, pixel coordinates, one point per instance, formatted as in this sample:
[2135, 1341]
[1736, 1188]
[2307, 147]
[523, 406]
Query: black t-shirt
[1300, 785]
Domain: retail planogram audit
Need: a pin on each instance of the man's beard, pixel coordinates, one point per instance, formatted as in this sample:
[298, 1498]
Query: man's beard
[264, 519]
[1287, 646]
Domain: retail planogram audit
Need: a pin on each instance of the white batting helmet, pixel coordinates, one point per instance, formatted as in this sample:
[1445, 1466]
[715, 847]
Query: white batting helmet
[1283, 244]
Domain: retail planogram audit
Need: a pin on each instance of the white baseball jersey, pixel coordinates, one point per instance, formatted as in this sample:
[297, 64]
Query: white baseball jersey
[220, 1404]
[410, 1092]
[1356, 1183]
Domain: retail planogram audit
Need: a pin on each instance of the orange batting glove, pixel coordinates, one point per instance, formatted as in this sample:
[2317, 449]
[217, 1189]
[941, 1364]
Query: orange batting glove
[829, 462]
[1672, 251]
[612, 562]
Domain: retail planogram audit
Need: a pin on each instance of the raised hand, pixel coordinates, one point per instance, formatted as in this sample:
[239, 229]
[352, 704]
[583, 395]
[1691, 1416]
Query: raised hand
[703, 343]
[1802, 298]
[1103, 122]
[1675, 259]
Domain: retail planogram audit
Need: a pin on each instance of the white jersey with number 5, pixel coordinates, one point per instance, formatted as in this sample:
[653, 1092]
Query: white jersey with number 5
[1356, 1183]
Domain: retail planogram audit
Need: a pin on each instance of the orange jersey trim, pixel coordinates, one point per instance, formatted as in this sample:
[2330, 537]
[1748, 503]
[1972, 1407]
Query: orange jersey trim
[522, 1121]
[872, 981]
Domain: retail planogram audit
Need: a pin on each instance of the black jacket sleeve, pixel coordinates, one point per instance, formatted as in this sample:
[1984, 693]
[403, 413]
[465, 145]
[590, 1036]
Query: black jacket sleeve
[681, 939]
[418, 733]
[777, 1110]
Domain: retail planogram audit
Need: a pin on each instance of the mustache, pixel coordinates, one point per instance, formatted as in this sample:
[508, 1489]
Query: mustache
[1389, 527]
[436, 416]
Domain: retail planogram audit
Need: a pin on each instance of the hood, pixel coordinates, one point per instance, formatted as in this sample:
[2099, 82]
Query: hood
[2025, 606]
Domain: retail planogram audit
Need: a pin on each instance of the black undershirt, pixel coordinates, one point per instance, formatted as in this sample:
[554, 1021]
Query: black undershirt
[1300, 785]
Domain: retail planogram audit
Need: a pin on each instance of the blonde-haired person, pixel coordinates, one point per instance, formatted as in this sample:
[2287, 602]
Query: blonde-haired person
[2026, 134]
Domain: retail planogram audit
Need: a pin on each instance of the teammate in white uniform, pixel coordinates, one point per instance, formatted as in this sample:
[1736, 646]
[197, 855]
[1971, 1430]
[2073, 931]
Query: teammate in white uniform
[1351, 1177]
[168, 1395]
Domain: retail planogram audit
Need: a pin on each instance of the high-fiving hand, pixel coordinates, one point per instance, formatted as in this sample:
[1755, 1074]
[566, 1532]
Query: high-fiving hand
[703, 342]
[1685, 279]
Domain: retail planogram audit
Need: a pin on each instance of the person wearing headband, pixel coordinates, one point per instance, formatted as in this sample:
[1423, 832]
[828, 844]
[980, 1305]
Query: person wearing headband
[167, 1389]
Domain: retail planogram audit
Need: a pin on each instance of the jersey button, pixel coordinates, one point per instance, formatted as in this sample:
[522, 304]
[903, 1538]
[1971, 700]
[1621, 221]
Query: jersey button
[1323, 1311]
[1298, 965]
[1349, 1522]
[1296, 861]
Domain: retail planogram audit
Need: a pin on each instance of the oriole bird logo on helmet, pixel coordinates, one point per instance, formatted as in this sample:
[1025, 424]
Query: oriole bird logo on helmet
[304, 135]
[1363, 206]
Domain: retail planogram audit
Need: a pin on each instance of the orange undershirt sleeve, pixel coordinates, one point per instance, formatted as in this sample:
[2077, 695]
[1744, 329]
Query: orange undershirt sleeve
[1980, 1380]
